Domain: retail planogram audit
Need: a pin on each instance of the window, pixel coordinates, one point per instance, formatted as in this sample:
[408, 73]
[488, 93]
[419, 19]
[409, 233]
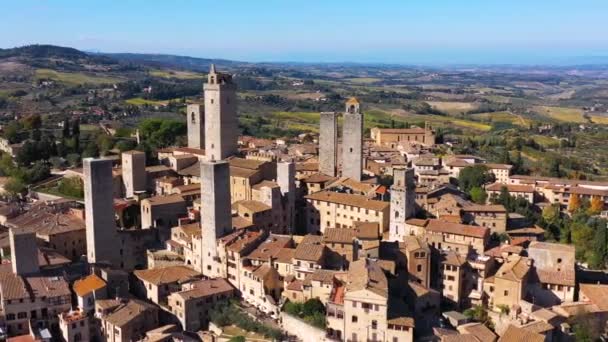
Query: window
[354, 319]
[374, 325]
[419, 268]
[506, 293]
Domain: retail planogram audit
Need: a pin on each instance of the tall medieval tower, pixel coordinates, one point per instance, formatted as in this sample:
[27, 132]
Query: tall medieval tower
[99, 212]
[220, 116]
[216, 214]
[352, 141]
[403, 202]
[196, 125]
[328, 143]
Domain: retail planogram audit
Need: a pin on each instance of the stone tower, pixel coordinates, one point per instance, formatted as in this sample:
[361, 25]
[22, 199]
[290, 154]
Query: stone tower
[133, 172]
[99, 212]
[220, 116]
[24, 252]
[196, 125]
[328, 143]
[286, 178]
[352, 141]
[216, 212]
[403, 202]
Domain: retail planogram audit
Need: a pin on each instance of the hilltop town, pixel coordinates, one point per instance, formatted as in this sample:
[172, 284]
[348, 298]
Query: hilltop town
[348, 234]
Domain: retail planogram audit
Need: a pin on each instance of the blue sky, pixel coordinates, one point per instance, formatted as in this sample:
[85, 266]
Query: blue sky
[387, 31]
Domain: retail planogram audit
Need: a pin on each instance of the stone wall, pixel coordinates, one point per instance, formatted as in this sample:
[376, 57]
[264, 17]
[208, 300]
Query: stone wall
[304, 331]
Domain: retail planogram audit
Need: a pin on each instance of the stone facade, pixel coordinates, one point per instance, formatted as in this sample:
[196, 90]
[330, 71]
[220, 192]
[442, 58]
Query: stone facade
[286, 178]
[216, 216]
[196, 125]
[220, 116]
[24, 252]
[133, 172]
[99, 207]
[352, 141]
[328, 143]
[403, 202]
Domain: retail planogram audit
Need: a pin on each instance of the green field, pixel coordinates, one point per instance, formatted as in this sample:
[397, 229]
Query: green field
[452, 107]
[183, 75]
[546, 141]
[502, 117]
[363, 80]
[71, 78]
[138, 101]
[565, 114]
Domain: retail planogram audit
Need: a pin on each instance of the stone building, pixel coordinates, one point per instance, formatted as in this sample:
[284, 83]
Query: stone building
[328, 143]
[191, 304]
[352, 141]
[74, 326]
[196, 125]
[327, 209]
[221, 129]
[99, 207]
[125, 320]
[158, 283]
[216, 216]
[492, 216]
[162, 213]
[403, 203]
[133, 172]
[394, 137]
[418, 256]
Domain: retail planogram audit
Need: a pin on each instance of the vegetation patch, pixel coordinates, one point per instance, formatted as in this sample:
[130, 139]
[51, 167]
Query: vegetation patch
[228, 313]
[182, 75]
[312, 312]
[73, 78]
[565, 114]
[453, 107]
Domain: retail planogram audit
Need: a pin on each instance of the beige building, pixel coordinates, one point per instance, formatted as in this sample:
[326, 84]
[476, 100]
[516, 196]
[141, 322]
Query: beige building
[342, 247]
[516, 190]
[328, 209]
[369, 315]
[394, 137]
[453, 271]
[191, 304]
[125, 320]
[74, 326]
[162, 213]
[510, 283]
[492, 216]
[261, 287]
[555, 272]
[501, 172]
[457, 237]
[418, 256]
[158, 283]
[309, 255]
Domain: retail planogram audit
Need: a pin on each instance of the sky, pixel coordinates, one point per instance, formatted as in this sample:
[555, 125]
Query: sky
[379, 31]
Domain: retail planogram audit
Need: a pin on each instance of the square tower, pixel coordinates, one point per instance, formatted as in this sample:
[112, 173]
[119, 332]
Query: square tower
[403, 203]
[99, 212]
[220, 116]
[328, 143]
[196, 125]
[133, 172]
[286, 178]
[216, 211]
[24, 251]
[352, 141]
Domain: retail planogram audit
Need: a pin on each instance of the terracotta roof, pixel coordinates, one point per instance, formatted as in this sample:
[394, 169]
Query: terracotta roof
[349, 199]
[285, 255]
[166, 275]
[46, 220]
[323, 276]
[538, 327]
[367, 230]
[88, 284]
[597, 294]
[498, 166]
[494, 208]
[413, 243]
[414, 130]
[309, 251]
[13, 286]
[515, 268]
[366, 274]
[510, 187]
[527, 230]
[480, 331]
[126, 312]
[457, 229]
[250, 164]
[265, 183]
[307, 166]
[452, 258]
[240, 223]
[252, 205]
[319, 178]
[242, 172]
[160, 200]
[339, 235]
[270, 247]
[417, 222]
[515, 334]
[243, 241]
[558, 247]
[352, 100]
[562, 277]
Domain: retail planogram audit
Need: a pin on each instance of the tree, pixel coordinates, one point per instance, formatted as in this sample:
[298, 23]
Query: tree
[574, 204]
[14, 187]
[478, 195]
[66, 129]
[596, 205]
[474, 176]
